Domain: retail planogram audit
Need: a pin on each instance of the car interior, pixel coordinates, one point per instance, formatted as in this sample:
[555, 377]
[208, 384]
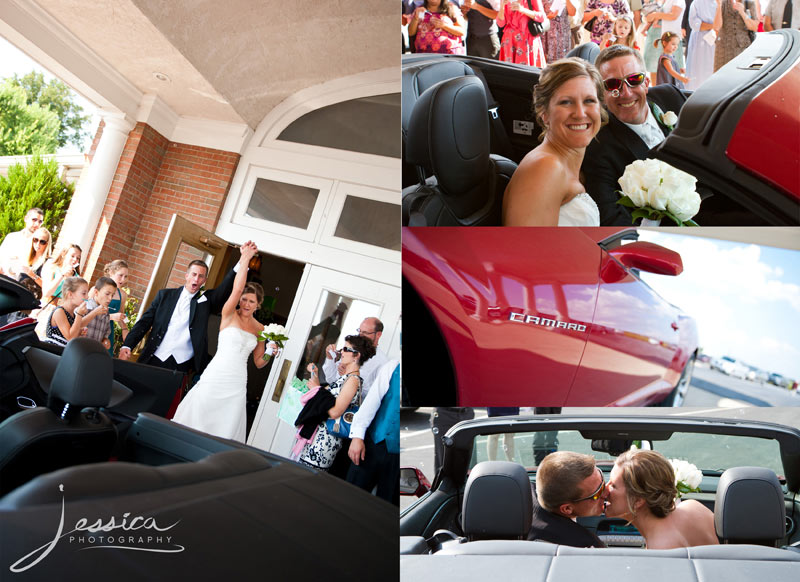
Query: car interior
[467, 122]
[488, 513]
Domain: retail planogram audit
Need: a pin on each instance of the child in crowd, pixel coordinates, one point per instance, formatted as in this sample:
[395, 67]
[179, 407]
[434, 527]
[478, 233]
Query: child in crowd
[100, 296]
[668, 73]
[622, 33]
[118, 271]
[68, 320]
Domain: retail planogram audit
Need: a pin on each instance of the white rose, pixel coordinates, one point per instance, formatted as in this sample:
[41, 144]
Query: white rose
[669, 118]
[686, 472]
[632, 182]
[658, 196]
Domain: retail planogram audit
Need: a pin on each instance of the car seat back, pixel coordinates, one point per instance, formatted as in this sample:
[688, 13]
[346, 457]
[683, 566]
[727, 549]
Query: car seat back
[749, 507]
[498, 502]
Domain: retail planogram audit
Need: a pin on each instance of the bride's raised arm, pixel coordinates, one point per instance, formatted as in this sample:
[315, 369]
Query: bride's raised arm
[536, 192]
[248, 250]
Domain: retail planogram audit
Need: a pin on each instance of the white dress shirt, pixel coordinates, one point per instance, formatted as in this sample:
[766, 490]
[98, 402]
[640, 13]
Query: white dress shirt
[177, 341]
[369, 407]
[367, 372]
[649, 131]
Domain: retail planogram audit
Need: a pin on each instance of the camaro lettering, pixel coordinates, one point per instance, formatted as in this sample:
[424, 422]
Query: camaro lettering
[535, 320]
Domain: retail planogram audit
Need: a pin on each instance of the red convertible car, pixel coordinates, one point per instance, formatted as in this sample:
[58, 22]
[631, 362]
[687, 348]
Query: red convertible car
[540, 316]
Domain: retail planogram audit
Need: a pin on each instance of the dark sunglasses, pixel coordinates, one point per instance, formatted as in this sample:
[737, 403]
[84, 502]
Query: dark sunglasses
[346, 349]
[631, 81]
[44, 241]
[598, 492]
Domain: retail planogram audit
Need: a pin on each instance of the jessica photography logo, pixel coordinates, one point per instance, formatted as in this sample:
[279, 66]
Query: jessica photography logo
[127, 532]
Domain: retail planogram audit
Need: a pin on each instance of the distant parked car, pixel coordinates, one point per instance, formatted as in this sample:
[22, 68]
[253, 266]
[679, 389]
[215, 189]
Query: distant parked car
[732, 367]
[779, 380]
[756, 375]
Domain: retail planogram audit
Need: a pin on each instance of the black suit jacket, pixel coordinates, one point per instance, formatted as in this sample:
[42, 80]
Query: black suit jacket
[615, 146]
[558, 529]
[156, 321]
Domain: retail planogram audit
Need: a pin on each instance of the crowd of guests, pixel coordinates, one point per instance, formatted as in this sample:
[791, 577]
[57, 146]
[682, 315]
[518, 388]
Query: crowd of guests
[70, 306]
[682, 41]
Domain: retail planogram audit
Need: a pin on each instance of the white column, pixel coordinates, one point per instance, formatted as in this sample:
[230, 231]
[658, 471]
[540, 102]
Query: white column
[90, 198]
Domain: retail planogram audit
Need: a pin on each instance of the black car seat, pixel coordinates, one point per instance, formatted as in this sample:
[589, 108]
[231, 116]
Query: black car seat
[587, 51]
[498, 503]
[749, 507]
[70, 430]
[448, 137]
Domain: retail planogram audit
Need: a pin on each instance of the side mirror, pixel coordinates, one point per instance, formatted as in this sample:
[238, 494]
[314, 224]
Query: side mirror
[413, 482]
[648, 257]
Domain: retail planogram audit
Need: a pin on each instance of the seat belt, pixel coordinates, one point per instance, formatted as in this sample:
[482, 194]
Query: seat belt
[502, 145]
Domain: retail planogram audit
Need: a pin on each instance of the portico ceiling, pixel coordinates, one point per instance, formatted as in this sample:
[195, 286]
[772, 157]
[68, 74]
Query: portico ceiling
[229, 61]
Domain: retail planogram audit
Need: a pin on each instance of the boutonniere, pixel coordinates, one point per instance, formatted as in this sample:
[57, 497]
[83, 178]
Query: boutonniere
[669, 119]
[200, 293]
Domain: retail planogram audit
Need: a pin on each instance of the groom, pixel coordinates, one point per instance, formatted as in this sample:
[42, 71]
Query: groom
[635, 126]
[178, 322]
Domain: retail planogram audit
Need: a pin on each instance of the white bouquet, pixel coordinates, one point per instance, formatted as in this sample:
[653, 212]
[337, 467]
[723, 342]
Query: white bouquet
[687, 477]
[273, 333]
[656, 189]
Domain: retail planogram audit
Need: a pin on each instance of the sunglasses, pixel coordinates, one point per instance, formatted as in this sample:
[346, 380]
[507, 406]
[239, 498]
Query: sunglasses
[346, 349]
[631, 81]
[598, 492]
[44, 241]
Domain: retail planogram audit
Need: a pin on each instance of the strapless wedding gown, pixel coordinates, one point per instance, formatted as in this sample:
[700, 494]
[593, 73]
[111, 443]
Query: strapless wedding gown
[580, 211]
[216, 404]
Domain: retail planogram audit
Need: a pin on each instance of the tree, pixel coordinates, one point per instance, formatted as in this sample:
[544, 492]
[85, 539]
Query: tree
[25, 128]
[58, 98]
[35, 185]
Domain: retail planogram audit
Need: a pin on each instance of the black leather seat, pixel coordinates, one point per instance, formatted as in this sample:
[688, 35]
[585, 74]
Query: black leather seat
[448, 137]
[498, 502]
[587, 51]
[749, 507]
[70, 430]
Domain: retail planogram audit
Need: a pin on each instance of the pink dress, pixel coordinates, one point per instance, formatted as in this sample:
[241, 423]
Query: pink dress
[518, 45]
[429, 41]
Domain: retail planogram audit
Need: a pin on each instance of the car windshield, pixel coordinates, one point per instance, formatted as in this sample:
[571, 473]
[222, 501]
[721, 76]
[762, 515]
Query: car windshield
[711, 453]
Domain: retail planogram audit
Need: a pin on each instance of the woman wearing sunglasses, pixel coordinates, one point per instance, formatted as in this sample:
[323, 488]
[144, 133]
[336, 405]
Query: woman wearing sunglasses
[547, 189]
[323, 447]
[642, 490]
[30, 266]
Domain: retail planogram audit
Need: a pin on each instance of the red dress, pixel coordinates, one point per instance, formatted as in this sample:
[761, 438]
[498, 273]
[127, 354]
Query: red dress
[429, 41]
[518, 45]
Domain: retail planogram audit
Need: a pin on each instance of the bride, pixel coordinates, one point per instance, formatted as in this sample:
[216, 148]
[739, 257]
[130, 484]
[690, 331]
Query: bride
[216, 404]
[546, 189]
[641, 489]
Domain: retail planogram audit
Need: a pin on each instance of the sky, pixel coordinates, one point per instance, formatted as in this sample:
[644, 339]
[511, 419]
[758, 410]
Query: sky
[745, 298]
[12, 60]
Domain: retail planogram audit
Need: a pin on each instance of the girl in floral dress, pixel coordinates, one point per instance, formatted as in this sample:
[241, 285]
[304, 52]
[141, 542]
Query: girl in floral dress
[518, 44]
[439, 28]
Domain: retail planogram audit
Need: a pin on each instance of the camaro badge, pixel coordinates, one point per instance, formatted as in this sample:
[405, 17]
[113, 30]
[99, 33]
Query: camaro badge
[546, 322]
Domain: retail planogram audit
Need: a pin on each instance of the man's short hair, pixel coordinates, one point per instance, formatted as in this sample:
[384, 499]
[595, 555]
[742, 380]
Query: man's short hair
[35, 209]
[559, 476]
[198, 263]
[378, 324]
[618, 50]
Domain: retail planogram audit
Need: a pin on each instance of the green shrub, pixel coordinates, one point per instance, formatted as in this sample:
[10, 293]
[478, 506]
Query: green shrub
[36, 184]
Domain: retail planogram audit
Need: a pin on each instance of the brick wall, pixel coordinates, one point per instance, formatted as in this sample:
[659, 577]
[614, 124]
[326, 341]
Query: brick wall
[156, 178]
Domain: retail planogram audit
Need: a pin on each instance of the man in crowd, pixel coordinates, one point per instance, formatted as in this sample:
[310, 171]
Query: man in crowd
[375, 437]
[482, 39]
[782, 14]
[568, 486]
[18, 244]
[635, 126]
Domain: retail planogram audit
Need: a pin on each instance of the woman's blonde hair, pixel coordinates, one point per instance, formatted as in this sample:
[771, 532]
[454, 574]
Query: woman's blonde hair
[59, 260]
[648, 475]
[556, 74]
[38, 233]
[114, 266]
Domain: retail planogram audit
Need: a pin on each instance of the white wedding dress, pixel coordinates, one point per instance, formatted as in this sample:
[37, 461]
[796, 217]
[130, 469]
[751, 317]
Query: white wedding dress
[216, 404]
[580, 211]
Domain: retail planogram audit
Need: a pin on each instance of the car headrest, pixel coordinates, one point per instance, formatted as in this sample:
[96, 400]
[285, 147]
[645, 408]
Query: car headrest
[83, 376]
[749, 507]
[587, 51]
[498, 503]
[418, 78]
[448, 136]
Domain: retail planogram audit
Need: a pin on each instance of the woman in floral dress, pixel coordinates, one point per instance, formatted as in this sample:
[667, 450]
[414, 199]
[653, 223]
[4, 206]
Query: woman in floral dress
[558, 40]
[518, 44]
